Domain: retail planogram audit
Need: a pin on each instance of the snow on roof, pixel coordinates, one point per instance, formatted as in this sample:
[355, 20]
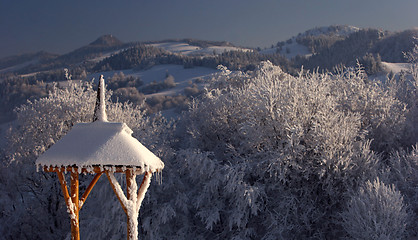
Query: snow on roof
[100, 143]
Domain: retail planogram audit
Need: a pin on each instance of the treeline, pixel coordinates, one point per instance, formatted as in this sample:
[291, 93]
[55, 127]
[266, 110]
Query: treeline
[344, 52]
[143, 57]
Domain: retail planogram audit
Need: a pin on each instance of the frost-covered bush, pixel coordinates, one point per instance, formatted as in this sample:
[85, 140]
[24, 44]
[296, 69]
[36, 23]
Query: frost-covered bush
[274, 155]
[401, 170]
[383, 115]
[377, 211]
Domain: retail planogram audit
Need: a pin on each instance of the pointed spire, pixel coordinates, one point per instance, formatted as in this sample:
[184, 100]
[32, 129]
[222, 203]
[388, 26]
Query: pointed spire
[100, 109]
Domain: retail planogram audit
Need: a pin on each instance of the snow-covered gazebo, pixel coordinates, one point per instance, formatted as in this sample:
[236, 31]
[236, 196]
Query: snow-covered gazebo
[101, 147]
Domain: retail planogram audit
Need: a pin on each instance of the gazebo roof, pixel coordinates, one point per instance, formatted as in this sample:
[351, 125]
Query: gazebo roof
[100, 144]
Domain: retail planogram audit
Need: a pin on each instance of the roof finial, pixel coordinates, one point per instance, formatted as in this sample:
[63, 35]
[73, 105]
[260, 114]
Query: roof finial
[100, 109]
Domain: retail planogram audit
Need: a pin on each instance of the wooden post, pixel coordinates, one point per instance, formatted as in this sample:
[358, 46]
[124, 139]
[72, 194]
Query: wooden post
[71, 201]
[130, 202]
[130, 195]
[75, 226]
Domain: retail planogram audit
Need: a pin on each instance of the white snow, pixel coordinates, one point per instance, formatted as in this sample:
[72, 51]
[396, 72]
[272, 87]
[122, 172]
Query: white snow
[294, 50]
[100, 143]
[396, 67]
[289, 50]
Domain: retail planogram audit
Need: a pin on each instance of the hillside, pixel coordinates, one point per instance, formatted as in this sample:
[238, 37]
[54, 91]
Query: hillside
[26, 76]
[311, 41]
[327, 47]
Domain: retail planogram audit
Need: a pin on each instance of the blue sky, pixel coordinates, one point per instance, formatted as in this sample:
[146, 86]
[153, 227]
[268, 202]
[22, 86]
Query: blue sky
[61, 26]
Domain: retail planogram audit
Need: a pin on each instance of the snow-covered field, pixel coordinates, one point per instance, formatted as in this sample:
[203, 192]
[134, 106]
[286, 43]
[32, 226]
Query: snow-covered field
[182, 76]
[396, 67]
[187, 49]
[289, 50]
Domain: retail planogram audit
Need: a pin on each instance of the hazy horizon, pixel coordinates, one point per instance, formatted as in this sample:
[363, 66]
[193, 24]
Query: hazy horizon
[60, 27]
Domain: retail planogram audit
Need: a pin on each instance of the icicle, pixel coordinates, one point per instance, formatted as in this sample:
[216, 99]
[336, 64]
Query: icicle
[100, 109]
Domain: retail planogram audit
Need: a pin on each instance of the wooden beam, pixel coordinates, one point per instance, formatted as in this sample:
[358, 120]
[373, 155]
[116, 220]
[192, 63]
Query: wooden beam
[143, 189]
[88, 190]
[93, 169]
[114, 186]
[64, 189]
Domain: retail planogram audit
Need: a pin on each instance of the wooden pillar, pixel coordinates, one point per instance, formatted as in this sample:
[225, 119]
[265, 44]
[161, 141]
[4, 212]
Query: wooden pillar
[71, 200]
[131, 189]
[75, 226]
[131, 202]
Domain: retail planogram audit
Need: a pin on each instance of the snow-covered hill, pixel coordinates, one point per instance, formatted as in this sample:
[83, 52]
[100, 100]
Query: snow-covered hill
[188, 49]
[339, 30]
[291, 48]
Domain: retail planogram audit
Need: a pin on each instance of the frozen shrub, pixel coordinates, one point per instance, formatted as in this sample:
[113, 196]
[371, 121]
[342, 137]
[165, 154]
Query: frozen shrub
[191, 91]
[128, 94]
[401, 170]
[383, 115]
[377, 211]
[286, 143]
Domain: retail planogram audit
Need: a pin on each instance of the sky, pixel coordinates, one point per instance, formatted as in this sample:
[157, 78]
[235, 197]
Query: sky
[62, 26]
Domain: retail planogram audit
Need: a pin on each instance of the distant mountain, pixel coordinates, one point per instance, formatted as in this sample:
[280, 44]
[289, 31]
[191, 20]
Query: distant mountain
[106, 41]
[100, 46]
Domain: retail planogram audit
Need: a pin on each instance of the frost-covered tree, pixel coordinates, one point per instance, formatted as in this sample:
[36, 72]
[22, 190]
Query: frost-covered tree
[259, 155]
[272, 156]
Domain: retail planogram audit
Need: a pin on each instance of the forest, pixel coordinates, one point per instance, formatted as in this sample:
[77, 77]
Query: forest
[258, 154]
